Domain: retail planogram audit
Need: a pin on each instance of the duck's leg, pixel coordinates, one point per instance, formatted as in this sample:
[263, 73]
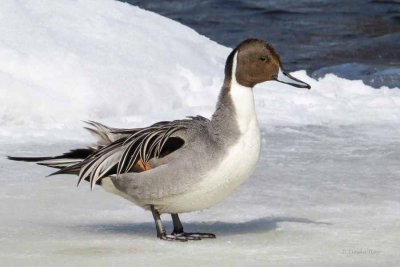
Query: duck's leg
[161, 233]
[178, 230]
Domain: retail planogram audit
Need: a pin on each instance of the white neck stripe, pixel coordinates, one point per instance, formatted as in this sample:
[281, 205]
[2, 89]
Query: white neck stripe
[243, 101]
[234, 65]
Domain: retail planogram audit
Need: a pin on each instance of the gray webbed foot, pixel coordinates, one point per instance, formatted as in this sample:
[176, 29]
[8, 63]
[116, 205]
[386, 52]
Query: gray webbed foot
[178, 230]
[180, 238]
[194, 236]
[178, 234]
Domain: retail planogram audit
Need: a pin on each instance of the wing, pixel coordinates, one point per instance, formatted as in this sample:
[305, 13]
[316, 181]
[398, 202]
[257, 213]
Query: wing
[133, 149]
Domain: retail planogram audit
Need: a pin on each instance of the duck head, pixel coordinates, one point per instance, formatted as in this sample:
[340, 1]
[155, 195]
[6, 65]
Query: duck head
[255, 61]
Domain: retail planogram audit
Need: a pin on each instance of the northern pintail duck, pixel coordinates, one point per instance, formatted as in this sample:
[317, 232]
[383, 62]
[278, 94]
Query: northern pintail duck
[183, 165]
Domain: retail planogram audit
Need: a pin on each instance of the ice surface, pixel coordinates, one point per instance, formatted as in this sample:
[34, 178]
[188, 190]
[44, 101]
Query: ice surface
[325, 190]
[320, 196]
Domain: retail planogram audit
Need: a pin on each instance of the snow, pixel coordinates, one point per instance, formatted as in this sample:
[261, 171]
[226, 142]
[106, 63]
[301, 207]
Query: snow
[62, 62]
[325, 190]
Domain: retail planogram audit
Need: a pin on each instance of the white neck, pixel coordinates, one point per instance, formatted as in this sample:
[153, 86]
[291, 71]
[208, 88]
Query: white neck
[243, 101]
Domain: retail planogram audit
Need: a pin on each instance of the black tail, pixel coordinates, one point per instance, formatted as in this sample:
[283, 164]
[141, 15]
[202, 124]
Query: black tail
[29, 159]
[59, 162]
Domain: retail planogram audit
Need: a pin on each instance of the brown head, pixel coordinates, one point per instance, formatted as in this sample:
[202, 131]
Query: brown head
[255, 61]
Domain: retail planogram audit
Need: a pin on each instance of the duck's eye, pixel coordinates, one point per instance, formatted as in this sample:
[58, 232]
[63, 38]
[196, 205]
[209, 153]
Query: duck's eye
[264, 59]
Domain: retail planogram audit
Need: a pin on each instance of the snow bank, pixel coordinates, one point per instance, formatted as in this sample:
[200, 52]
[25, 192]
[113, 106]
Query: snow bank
[64, 61]
[331, 101]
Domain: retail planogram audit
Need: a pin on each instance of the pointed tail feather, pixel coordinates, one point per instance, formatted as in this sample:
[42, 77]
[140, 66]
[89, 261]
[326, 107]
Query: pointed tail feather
[28, 159]
[59, 162]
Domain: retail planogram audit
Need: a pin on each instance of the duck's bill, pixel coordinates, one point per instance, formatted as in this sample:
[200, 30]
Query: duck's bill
[285, 77]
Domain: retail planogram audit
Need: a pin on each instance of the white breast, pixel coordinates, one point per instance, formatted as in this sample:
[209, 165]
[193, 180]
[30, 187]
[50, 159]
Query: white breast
[237, 165]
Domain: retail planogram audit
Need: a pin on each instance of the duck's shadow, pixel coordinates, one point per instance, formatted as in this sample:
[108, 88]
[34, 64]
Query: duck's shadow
[220, 228]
